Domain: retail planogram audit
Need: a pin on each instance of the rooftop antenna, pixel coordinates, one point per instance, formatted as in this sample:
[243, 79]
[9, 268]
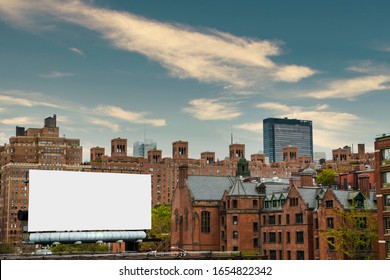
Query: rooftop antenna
[231, 134]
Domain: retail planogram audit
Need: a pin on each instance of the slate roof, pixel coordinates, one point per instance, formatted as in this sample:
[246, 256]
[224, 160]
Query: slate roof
[344, 197]
[213, 187]
[208, 187]
[309, 195]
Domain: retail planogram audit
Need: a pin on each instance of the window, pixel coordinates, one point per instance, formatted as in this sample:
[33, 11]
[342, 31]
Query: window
[329, 203]
[264, 237]
[299, 218]
[235, 234]
[316, 223]
[255, 242]
[235, 203]
[300, 255]
[254, 203]
[299, 237]
[388, 249]
[293, 201]
[387, 226]
[271, 220]
[264, 220]
[235, 220]
[386, 202]
[331, 243]
[255, 227]
[272, 254]
[280, 255]
[235, 248]
[287, 219]
[205, 221]
[223, 220]
[317, 243]
[288, 237]
[280, 236]
[279, 219]
[330, 222]
[385, 179]
[223, 235]
[385, 156]
[272, 237]
[289, 255]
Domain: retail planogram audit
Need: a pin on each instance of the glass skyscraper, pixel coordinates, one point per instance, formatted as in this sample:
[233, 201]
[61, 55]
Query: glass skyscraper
[141, 149]
[279, 133]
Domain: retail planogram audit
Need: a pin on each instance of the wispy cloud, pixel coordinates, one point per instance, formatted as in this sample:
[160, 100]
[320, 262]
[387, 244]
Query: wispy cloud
[131, 117]
[20, 121]
[104, 123]
[351, 88]
[7, 99]
[56, 75]
[77, 51]
[256, 127]
[211, 109]
[208, 56]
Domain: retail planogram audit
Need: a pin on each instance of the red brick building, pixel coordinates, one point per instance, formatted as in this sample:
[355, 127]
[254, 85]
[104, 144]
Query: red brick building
[34, 148]
[382, 178]
[272, 219]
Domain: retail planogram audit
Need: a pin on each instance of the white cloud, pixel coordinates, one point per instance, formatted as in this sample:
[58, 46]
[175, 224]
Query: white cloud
[351, 88]
[211, 109]
[293, 73]
[56, 75]
[20, 121]
[273, 106]
[104, 123]
[132, 117]
[256, 127]
[77, 51]
[6, 99]
[211, 56]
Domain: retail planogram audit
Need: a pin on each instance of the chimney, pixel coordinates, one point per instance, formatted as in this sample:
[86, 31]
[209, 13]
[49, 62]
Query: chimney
[364, 184]
[183, 175]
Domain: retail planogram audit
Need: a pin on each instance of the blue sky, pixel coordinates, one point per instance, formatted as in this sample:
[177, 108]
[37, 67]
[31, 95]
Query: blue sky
[195, 70]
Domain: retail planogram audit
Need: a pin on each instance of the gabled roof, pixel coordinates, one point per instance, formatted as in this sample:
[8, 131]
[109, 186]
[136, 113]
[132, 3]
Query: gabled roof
[237, 189]
[310, 194]
[345, 198]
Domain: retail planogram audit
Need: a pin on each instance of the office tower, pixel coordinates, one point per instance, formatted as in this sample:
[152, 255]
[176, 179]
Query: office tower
[279, 133]
[141, 149]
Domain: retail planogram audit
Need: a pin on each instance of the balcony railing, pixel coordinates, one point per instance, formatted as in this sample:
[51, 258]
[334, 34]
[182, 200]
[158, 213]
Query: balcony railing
[387, 231]
[386, 208]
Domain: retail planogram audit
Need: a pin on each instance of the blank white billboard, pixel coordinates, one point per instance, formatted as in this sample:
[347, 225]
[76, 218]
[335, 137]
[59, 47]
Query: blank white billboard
[78, 201]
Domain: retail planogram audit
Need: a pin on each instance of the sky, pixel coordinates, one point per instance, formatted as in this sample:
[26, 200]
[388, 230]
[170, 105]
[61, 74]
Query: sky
[196, 70]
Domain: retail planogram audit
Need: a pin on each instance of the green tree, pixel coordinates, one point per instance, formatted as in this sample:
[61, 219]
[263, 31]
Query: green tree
[355, 233]
[7, 248]
[160, 233]
[326, 177]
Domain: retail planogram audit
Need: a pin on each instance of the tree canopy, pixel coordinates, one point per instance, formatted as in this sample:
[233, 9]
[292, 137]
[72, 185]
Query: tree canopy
[326, 177]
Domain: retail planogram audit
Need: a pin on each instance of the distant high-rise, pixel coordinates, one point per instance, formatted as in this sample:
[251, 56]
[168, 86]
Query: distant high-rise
[279, 133]
[141, 149]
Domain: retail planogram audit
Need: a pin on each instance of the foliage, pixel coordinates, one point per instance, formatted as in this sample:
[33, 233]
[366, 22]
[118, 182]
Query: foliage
[71, 248]
[7, 248]
[326, 177]
[160, 233]
[356, 233]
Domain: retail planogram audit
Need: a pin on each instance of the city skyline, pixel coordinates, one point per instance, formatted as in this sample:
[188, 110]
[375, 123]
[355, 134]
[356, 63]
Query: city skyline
[195, 71]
